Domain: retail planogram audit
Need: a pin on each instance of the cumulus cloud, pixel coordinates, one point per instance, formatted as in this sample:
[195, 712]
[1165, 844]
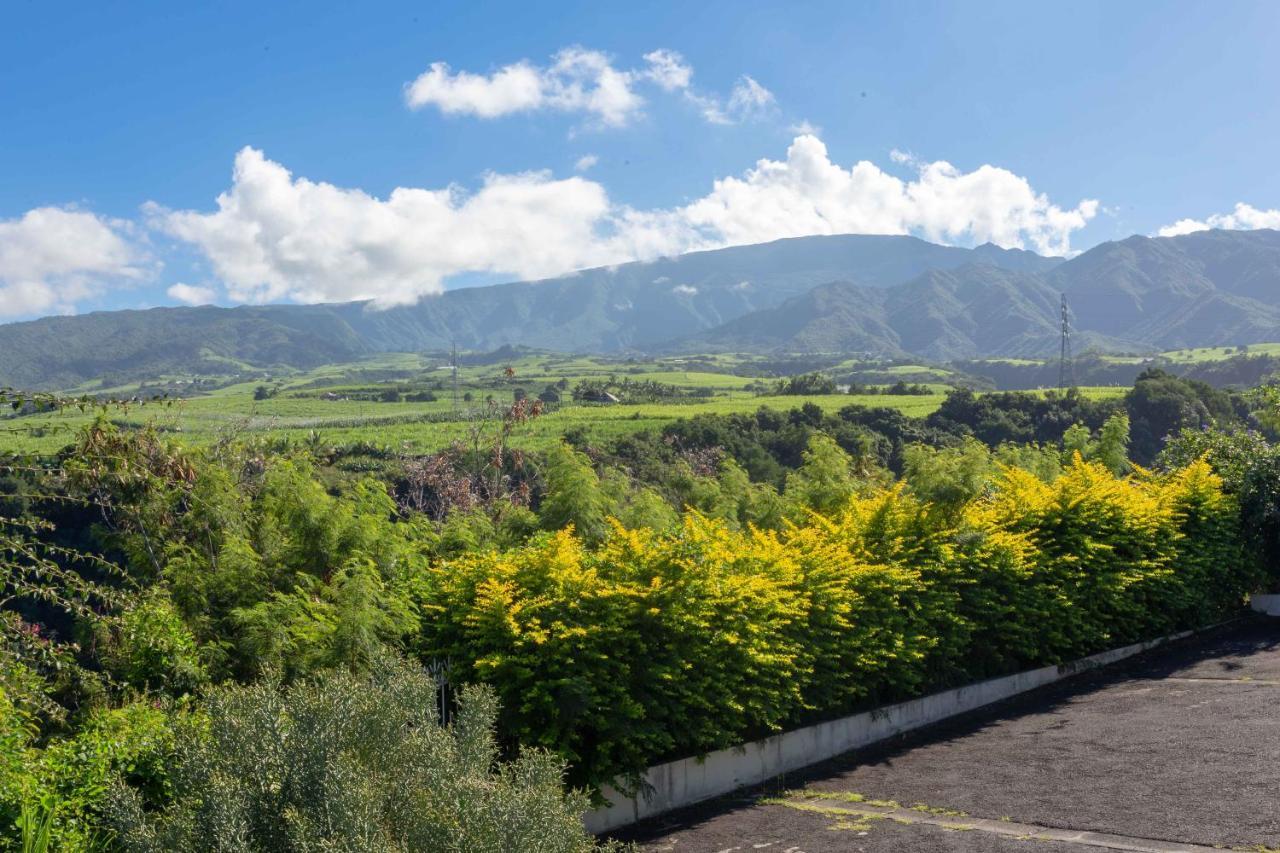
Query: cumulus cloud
[809, 194]
[192, 294]
[1245, 217]
[579, 80]
[275, 236]
[53, 257]
[511, 89]
[585, 162]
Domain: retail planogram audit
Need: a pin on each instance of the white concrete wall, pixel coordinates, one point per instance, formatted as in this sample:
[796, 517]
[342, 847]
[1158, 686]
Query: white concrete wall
[1268, 604]
[690, 780]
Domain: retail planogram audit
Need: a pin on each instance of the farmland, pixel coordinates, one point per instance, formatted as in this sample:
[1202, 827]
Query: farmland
[349, 402]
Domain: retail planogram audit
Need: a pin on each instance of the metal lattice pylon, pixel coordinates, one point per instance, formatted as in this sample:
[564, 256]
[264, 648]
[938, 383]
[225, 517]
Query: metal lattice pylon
[1066, 364]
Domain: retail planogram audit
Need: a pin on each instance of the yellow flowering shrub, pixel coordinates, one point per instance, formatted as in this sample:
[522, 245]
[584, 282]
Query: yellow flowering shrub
[655, 645]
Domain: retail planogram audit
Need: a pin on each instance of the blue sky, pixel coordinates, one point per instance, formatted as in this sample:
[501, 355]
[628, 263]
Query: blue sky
[121, 123]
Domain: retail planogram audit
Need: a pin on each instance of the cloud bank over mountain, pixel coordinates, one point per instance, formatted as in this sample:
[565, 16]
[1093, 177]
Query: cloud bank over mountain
[275, 236]
[1245, 217]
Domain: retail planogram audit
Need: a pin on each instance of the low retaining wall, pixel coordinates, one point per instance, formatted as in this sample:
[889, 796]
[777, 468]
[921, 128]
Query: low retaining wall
[1268, 604]
[681, 783]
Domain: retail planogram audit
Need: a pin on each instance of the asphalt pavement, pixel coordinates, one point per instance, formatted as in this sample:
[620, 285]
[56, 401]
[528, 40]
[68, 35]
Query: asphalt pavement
[1177, 750]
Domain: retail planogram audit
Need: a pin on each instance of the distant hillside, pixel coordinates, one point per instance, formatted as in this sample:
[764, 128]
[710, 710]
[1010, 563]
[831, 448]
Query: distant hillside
[893, 296]
[633, 306]
[1141, 294]
[1202, 289]
[977, 310]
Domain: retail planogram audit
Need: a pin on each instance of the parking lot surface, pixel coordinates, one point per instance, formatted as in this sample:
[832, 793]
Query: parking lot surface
[1178, 750]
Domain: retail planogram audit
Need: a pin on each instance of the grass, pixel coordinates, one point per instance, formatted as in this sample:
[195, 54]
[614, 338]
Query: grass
[1201, 354]
[300, 406]
[413, 426]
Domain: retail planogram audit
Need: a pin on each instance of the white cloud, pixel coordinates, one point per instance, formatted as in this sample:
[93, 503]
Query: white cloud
[668, 69]
[809, 194]
[274, 236]
[749, 97]
[1245, 217]
[804, 128]
[192, 294]
[577, 80]
[748, 100]
[511, 89]
[53, 257]
[585, 162]
[684, 290]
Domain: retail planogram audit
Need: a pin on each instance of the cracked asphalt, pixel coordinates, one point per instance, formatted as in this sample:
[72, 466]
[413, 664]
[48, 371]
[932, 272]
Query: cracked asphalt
[1178, 747]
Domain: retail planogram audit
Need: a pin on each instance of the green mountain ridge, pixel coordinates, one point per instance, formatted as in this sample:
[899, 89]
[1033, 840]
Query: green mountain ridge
[630, 307]
[886, 295]
[1141, 294]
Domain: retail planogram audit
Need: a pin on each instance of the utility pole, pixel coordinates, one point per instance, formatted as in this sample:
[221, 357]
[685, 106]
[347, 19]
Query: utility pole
[1066, 365]
[453, 360]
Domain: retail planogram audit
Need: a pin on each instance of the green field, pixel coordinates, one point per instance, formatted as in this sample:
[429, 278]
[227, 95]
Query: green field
[320, 402]
[1187, 356]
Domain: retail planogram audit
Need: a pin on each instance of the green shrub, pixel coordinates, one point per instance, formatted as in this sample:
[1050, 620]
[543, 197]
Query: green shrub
[60, 789]
[149, 647]
[655, 645]
[347, 762]
[1250, 469]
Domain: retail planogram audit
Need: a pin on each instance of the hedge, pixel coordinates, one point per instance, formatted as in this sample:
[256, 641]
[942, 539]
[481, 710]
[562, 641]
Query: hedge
[653, 646]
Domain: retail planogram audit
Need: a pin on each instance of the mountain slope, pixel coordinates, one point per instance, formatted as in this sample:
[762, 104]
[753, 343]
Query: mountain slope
[940, 315]
[1210, 288]
[632, 306]
[1206, 288]
[851, 293]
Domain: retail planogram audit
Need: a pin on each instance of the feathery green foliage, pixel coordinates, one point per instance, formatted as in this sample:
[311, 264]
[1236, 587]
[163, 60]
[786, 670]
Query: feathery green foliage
[347, 762]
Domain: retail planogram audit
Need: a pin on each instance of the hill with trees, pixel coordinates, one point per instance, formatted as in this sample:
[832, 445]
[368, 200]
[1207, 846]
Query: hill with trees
[884, 295]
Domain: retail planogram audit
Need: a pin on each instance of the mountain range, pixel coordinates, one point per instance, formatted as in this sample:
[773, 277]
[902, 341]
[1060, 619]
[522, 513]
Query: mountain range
[887, 295]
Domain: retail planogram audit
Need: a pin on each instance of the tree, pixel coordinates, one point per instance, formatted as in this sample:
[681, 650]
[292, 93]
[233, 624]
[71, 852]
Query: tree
[573, 494]
[949, 477]
[807, 383]
[1076, 439]
[825, 480]
[1161, 405]
[1112, 449]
